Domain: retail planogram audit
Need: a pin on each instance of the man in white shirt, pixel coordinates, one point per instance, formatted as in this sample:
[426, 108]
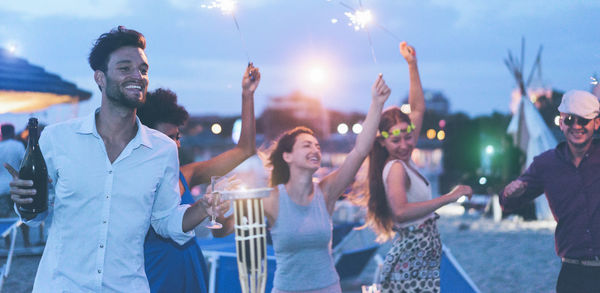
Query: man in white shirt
[112, 178]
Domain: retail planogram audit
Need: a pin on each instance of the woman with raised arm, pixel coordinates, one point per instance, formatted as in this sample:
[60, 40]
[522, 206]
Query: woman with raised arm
[400, 200]
[299, 209]
[181, 268]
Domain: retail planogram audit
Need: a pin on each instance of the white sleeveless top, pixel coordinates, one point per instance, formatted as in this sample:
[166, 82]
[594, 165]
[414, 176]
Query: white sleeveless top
[419, 190]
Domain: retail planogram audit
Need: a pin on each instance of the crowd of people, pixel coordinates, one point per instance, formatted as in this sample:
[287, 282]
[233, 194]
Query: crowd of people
[122, 215]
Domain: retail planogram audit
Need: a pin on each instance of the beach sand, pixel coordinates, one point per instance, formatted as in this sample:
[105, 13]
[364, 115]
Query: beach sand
[509, 256]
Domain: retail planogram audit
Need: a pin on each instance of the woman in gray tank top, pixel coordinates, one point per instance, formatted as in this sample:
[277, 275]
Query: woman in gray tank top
[299, 210]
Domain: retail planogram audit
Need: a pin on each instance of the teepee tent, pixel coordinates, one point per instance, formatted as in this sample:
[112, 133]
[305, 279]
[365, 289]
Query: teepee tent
[530, 132]
[28, 88]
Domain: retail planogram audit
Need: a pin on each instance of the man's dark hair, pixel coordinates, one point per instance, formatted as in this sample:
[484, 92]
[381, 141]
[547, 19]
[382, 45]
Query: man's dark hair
[8, 131]
[161, 107]
[112, 41]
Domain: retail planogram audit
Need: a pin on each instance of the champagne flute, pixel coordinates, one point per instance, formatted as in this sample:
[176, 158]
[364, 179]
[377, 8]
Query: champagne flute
[216, 196]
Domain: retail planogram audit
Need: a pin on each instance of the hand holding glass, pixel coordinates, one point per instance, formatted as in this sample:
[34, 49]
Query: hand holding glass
[216, 197]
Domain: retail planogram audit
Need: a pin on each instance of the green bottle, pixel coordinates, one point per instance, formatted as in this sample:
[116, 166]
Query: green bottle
[33, 167]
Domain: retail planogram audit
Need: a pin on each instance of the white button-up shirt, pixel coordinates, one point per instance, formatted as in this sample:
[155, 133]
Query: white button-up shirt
[102, 211]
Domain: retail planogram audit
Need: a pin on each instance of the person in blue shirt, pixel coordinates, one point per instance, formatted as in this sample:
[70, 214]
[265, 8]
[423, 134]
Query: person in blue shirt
[171, 267]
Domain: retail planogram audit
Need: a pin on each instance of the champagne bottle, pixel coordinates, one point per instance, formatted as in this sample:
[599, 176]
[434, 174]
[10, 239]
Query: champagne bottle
[33, 167]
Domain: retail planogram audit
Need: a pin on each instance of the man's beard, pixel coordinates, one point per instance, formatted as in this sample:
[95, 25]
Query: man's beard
[115, 94]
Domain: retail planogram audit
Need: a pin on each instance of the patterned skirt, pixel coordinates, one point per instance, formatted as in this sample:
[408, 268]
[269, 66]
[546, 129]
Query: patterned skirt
[413, 262]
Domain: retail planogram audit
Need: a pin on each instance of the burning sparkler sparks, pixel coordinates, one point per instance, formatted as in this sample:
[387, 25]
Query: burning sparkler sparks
[362, 19]
[227, 7]
[359, 19]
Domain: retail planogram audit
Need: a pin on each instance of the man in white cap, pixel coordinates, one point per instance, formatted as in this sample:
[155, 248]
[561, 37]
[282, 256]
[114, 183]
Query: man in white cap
[569, 175]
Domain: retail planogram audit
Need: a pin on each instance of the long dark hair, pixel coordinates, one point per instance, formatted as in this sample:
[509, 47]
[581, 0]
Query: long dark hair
[379, 214]
[280, 172]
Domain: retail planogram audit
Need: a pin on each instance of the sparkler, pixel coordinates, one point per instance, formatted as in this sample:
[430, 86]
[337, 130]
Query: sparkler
[360, 19]
[228, 7]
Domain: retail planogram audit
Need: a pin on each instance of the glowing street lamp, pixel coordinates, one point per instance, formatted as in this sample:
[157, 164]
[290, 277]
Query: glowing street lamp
[317, 75]
[12, 48]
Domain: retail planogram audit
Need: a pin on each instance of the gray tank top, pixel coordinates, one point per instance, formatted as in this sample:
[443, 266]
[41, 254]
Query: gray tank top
[302, 242]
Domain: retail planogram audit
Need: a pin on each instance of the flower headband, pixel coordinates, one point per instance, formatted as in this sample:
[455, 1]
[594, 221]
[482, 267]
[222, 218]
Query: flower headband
[397, 132]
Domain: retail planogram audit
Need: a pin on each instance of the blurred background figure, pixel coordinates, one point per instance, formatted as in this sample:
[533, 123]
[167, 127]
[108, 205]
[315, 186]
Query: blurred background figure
[11, 152]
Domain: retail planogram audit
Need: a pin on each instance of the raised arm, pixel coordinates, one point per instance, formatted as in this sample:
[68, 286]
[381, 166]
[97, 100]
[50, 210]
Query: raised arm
[416, 99]
[200, 172]
[334, 184]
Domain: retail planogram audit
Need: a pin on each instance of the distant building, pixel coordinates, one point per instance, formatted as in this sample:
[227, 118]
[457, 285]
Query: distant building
[286, 112]
[435, 101]
[199, 142]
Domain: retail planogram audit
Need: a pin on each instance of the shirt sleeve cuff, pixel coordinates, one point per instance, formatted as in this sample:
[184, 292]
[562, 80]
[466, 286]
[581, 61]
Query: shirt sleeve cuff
[176, 226]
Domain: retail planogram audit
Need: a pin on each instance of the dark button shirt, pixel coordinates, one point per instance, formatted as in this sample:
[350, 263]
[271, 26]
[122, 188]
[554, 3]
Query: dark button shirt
[573, 195]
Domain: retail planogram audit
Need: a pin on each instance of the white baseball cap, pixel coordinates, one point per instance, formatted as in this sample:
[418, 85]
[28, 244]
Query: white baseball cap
[580, 103]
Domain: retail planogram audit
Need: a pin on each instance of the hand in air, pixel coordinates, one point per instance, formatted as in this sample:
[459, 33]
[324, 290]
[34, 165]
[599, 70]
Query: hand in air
[408, 52]
[251, 78]
[380, 91]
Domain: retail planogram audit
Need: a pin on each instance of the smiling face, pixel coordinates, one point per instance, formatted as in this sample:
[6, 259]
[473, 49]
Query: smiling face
[126, 77]
[578, 136]
[306, 153]
[400, 143]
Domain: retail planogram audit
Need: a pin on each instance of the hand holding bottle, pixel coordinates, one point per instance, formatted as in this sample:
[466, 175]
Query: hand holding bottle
[29, 188]
[21, 191]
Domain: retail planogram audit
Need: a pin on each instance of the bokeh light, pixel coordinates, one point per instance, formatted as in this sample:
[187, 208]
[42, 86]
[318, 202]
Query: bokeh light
[482, 180]
[342, 128]
[441, 135]
[430, 133]
[357, 128]
[216, 128]
[405, 108]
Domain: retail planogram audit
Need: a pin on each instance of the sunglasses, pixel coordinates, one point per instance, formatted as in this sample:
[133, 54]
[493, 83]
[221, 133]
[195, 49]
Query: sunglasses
[569, 120]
